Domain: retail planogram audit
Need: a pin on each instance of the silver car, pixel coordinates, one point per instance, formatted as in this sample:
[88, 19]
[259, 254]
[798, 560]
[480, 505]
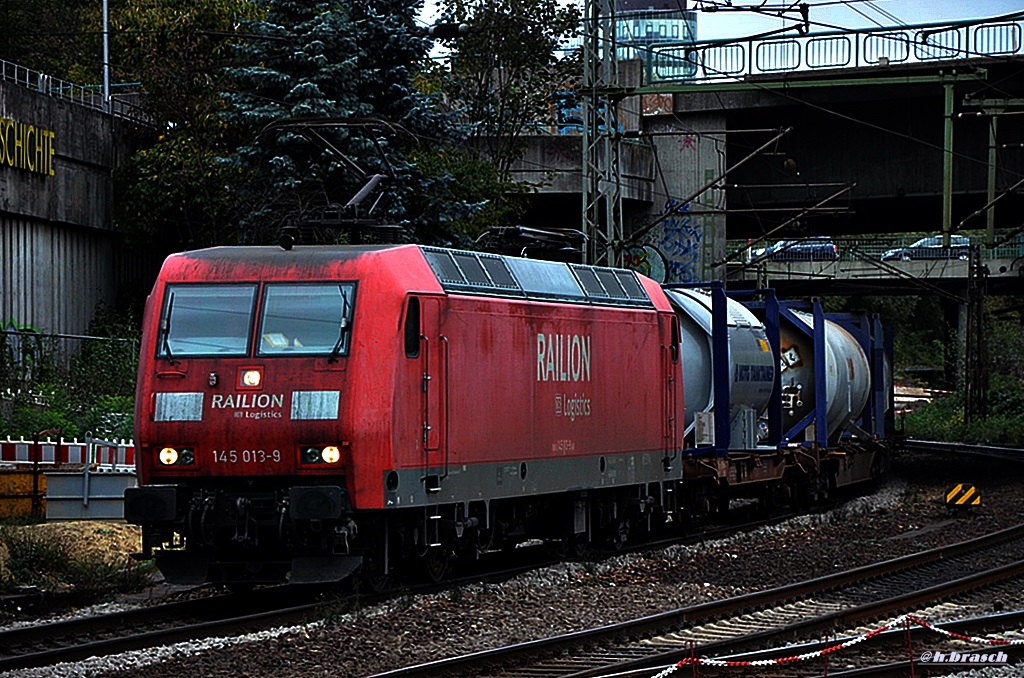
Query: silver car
[931, 248]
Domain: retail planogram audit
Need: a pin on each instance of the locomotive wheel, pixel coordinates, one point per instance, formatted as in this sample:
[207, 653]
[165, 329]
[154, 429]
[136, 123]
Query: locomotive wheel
[435, 563]
[373, 578]
[373, 575]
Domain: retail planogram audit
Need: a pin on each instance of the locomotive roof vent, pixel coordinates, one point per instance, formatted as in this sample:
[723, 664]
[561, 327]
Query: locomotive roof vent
[481, 273]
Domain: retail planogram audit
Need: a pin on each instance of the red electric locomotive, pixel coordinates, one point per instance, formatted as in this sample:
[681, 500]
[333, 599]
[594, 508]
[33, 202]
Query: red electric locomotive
[301, 413]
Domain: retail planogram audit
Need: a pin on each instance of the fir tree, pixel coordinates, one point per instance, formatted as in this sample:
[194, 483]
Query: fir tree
[328, 94]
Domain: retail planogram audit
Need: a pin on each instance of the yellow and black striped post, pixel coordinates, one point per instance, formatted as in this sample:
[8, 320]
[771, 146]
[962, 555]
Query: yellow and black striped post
[963, 494]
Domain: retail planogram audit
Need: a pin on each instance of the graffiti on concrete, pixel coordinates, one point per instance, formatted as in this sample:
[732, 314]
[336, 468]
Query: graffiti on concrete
[679, 239]
[12, 325]
[646, 260]
[688, 142]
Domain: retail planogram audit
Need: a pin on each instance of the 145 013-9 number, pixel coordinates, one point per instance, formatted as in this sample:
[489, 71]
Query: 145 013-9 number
[246, 456]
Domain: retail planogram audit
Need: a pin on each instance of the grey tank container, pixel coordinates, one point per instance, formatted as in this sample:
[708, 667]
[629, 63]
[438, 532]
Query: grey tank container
[751, 367]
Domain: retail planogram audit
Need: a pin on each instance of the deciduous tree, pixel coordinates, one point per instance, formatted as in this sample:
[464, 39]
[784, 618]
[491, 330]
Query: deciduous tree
[175, 192]
[504, 74]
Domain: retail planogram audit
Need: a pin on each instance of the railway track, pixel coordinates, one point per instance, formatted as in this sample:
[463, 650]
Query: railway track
[880, 659]
[78, 638]
[884, 656]
[758, 619]
[984, 451]
[48, 643]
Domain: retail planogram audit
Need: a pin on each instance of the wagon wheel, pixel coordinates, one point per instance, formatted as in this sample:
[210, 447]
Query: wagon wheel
[620, 534]
[435, 563]
[576, 547]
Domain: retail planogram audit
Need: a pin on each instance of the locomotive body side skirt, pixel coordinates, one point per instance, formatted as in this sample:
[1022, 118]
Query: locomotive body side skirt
[405, 488]
[509, 480]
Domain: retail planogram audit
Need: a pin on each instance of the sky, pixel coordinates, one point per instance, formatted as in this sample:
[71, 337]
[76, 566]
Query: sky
[832, 14]
[827, 14]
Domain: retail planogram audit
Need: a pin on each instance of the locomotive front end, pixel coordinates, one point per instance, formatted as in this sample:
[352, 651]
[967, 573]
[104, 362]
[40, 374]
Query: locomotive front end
[242, 443]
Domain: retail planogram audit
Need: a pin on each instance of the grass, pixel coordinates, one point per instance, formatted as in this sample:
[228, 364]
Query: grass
[47, 562]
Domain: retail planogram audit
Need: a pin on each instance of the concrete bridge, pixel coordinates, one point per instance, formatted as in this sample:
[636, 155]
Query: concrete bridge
[890, 131]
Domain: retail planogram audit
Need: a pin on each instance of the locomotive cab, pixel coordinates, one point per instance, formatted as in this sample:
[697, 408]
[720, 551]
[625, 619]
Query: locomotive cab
[244, 442]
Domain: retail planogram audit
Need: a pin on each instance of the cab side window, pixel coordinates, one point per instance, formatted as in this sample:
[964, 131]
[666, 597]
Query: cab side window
[412, 328]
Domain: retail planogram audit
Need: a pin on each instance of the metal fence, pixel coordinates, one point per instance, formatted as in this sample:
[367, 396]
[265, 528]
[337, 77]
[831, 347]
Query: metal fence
[65, 479]
[28, 356]
[922, 43]
[95, 491]
[88, 96]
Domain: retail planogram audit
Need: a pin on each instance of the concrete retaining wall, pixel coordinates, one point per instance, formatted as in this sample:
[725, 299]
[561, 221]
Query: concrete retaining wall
[56, 244]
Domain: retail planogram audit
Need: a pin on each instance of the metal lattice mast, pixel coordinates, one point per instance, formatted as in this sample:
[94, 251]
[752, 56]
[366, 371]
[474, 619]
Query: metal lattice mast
[602, 194]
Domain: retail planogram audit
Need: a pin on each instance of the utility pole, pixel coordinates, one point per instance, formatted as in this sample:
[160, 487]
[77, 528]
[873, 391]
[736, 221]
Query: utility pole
[977, 376]
[601, 181]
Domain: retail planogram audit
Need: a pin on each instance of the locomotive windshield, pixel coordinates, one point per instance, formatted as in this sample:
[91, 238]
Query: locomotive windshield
[217, 320]
[306, 319]
[200, 320]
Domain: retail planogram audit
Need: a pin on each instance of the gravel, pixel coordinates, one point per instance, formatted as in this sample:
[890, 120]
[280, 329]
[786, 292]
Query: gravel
[908, 514]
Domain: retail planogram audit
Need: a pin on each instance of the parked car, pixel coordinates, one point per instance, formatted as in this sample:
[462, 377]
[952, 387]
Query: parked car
[818, 248]
[931, 248]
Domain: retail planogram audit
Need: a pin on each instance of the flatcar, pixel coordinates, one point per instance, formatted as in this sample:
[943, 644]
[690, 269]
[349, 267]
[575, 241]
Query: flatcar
[302, 414]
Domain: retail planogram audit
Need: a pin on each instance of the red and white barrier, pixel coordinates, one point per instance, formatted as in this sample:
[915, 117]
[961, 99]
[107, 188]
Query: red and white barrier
[68, 452]
[782, 661]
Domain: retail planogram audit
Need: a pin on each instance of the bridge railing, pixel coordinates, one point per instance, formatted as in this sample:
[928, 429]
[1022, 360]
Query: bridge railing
[707, 61]
[88, 96]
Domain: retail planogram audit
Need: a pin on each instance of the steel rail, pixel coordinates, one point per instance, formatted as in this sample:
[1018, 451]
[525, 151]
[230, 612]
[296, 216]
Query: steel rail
[843, 618]
[77, 637]
[1001, 620]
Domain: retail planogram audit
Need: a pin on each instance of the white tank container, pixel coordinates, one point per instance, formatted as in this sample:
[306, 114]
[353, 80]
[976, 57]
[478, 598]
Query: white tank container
[847, 375]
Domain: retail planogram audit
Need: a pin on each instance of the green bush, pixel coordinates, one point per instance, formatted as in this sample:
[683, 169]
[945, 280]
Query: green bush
[32, 561]
[27, 420]
[70, 385]
[943, 420]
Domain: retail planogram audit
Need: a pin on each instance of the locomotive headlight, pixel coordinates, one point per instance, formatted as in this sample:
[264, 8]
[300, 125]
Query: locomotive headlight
[168, 456]
[251, 378]
[329, 454]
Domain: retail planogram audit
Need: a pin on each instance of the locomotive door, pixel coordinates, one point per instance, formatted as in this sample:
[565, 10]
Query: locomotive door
[434, 363]
[671, 387]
